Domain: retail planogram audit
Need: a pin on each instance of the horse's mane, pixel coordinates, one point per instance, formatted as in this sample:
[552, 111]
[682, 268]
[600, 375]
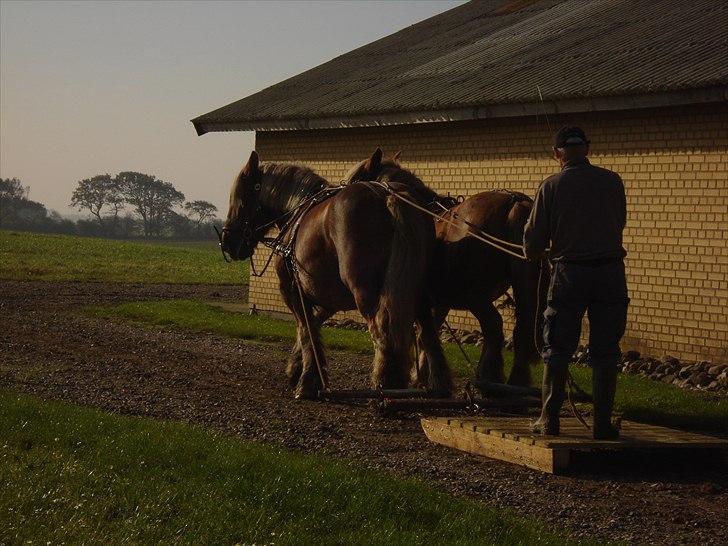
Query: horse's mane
[284, 185]
[394, 173]
[400, 178]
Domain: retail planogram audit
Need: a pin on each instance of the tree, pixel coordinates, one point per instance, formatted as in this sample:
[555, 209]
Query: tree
[200, 212]
[151, 199]
[12, 188]
[99, 193]
[16, 210]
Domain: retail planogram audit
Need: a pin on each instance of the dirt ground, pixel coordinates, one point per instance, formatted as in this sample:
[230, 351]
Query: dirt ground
[48, 349]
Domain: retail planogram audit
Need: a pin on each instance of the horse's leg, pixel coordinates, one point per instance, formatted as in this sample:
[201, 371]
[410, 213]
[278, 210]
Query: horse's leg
[302, 371]
[310, 381]
[390, 365]
[437, 378]
[388, 370]
[524, 279]
[490, 365]
[523, 350]
[295, 360]
[438, 315]
[295, 363]
[419, 376]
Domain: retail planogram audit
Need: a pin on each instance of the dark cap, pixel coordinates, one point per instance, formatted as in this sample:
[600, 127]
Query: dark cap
[570, 136]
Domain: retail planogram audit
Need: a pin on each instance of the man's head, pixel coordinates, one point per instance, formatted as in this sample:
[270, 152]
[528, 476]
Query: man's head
[570, 143]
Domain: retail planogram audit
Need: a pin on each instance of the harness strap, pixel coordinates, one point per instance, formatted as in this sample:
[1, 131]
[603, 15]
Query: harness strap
[459, 344]
[287, 252]
[294, 274]
[474, 231]
[289, 228]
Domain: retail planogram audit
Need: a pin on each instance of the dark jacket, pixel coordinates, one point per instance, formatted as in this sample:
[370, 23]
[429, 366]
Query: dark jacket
[582, 210]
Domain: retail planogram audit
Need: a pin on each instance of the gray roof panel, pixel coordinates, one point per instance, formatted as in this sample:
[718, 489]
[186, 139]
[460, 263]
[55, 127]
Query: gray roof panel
[490, 56]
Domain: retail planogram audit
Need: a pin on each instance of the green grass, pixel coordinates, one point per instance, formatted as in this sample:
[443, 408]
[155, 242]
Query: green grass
[202, 317]
[648, 401]
[42, 257]
[207, 244]
[77, 475]
[637, 398]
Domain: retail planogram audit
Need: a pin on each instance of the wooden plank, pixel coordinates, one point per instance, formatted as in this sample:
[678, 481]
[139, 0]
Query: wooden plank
[510, 439]
[575, 434]
[488, 445]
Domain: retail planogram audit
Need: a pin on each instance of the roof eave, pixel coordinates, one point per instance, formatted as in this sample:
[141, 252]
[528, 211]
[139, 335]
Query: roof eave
[578, 105]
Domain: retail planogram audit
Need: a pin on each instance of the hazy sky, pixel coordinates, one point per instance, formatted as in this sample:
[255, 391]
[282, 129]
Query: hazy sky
[100, 87]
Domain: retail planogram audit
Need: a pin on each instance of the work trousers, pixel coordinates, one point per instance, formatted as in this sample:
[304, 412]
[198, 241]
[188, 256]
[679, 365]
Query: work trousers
[599, 290]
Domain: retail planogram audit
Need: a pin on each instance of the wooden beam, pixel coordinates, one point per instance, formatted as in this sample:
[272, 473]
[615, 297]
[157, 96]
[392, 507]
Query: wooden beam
[510, 439]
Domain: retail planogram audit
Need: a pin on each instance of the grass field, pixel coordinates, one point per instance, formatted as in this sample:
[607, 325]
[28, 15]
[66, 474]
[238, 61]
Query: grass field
[201, 317]
[76, 475]
[637, 398]
[43, 257]
[207, 244]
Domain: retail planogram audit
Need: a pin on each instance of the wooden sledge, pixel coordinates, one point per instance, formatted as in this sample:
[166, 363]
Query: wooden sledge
[509, 439]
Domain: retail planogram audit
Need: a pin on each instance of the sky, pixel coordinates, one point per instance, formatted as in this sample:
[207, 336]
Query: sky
[89, 88]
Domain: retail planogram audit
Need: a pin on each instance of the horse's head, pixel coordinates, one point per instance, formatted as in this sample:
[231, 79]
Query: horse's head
[240, 234]
[386, 169]
[374, 167]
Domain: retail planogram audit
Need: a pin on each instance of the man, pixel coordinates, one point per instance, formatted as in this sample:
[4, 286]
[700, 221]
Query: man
[581, 211]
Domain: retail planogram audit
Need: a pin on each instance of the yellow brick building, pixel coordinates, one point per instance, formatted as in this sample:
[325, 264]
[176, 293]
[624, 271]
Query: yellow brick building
[669, 142]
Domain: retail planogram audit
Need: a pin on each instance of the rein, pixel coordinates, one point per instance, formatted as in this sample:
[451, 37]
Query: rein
[501, 245]
[275, 244]
[474, 231]
[219, 238]
[286, 251]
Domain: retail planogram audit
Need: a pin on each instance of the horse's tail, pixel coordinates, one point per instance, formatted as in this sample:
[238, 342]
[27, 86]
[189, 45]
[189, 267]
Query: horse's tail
[529, 280]
[404, 283]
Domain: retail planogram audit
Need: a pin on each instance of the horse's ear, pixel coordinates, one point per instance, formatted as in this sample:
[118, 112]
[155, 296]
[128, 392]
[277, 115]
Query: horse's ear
[397, 155]
[375, 162]
[251, 167]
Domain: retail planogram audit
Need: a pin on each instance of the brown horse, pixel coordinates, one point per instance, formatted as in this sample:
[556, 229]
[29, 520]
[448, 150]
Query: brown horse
[469, 275]
[340, 248]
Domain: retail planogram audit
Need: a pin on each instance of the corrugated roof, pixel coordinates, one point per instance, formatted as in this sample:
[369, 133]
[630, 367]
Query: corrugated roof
[487, 58]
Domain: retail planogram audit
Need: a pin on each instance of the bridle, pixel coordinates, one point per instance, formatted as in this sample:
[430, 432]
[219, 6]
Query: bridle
[288, 223]
[246, 228]
[219, 241]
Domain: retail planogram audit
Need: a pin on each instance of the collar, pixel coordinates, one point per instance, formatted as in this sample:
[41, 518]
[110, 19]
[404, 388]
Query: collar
[582, 161]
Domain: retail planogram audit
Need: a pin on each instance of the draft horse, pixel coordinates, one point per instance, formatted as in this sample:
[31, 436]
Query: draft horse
[469, 275]
[340, 248]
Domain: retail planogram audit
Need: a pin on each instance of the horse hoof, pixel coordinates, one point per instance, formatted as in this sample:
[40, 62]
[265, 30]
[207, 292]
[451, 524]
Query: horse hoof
[305, 394]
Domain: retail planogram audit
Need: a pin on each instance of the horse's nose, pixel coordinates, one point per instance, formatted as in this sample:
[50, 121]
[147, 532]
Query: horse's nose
[224, 241]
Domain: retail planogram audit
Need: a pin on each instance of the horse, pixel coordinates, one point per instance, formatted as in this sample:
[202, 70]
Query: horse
[466, 274]
[340, 248]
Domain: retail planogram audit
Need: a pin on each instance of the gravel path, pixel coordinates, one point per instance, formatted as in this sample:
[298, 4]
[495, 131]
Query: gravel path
[48, 349]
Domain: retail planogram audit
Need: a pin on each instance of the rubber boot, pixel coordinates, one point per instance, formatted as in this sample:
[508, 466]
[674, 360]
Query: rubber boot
[604, 386]
[552, 396]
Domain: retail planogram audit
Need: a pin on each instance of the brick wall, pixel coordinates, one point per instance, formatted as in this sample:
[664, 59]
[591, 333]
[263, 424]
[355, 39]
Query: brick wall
[674, 163]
